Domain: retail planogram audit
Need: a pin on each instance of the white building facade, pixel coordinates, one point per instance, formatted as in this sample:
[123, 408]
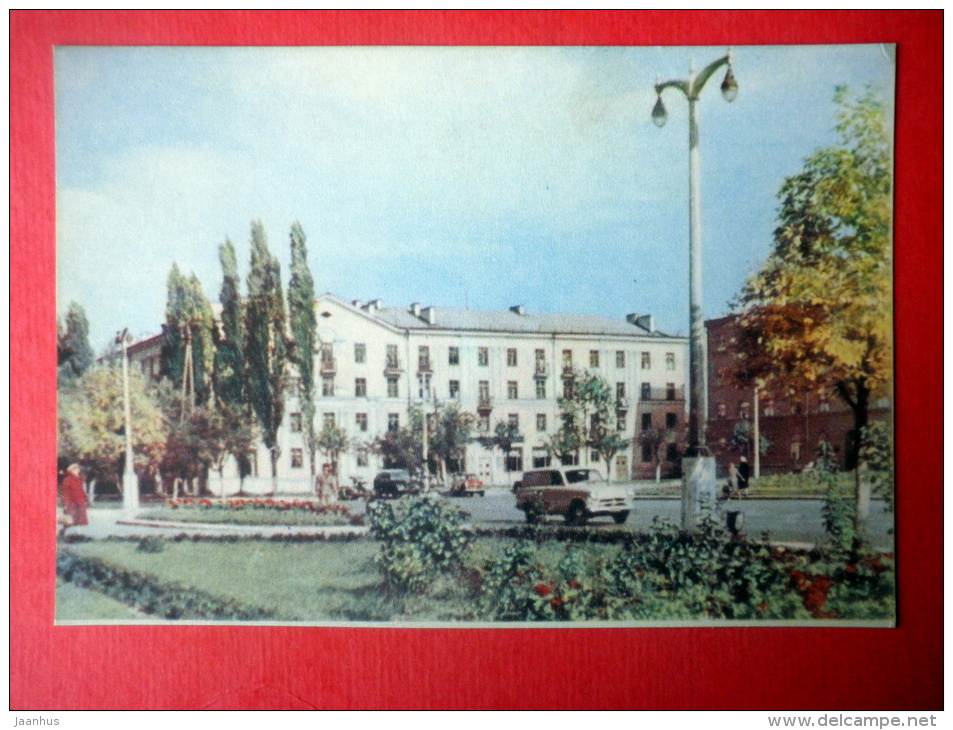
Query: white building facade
[374, 363]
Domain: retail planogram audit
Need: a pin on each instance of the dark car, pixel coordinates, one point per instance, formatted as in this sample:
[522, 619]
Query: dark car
[394, 483]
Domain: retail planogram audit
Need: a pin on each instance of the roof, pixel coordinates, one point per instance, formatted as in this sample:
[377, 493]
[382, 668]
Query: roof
[509, 321]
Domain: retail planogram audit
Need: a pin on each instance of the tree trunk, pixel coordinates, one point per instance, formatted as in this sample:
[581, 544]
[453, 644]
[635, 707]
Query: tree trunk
[274, 469]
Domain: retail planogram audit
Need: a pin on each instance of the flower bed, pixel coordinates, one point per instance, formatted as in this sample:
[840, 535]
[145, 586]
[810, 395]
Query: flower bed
[261, 511]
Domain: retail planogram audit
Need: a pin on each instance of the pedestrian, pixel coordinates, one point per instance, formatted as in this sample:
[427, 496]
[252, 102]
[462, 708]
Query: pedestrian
[744, 474]
[73, 495]
[732, 480]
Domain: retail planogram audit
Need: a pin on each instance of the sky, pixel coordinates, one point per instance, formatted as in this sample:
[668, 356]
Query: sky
[456, 177]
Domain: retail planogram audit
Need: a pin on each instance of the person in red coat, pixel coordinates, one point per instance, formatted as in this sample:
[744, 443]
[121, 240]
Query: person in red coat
[73, 494]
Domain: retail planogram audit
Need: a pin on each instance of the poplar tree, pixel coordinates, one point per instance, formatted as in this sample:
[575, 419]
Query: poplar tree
[74, 353]
[303, 332]
[265, 345]
[189, 337]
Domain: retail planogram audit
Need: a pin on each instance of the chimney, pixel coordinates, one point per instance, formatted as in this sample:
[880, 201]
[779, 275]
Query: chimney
[645, 321]
[357, 303]
[518, 309]
[415, 309]
[429, 314]
[372, 306]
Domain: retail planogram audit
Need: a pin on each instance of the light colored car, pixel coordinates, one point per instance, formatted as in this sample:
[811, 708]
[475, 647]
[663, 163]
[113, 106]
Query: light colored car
[572, 492]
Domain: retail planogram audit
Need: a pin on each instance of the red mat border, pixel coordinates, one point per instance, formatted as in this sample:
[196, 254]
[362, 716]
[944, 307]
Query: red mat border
[59, 668]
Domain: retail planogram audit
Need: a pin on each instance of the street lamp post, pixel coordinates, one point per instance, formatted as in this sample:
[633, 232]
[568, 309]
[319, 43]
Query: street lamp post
[698, 493]
[130, 485]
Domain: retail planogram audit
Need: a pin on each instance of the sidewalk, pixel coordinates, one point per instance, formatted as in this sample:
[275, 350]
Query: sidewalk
[105, 523]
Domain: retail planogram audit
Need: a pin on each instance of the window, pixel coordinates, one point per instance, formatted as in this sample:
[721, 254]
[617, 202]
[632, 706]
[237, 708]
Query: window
[454, 389]
[567, 358]
[620, 390]
[327, 386]
[795, 451]
[646, 360]
[511, 357]
[593, 358]
[541, 458]
[423, 357]
[423, 385]
[671, 452]
[671, 420]
[646, 391]
[328, 420]
[392, 360]
[743, 409]
[392, 390]
[362, 457]
[670, 391]
[620, 358]
[768, 408]
[513, 421]
[512, 390]
[514, 459]
[541, 422]
[297, 458]
[540, 389]
[393, 421]
[620, 423]
[823, 405]
[295, 422]
[594, 422]
[453, 358]
[327, 354]
[360, 387]
[483, 356]
[361, 420]
[669, 360]
[722, 411]
[294, 385]
[360, 352]
[540, 356]
[647, 452]
[567, 388]
[646, 421]
[483, 424]
[484, 390]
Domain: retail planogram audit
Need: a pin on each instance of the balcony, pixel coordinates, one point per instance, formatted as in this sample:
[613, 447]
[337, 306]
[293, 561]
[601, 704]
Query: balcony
[541, 370]
[484, 405]
[328, 365]
[622, 404]
[392, 365]
[423, 365]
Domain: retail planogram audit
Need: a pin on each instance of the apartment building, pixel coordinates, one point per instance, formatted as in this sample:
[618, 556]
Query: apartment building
[375, 362]
[793, 422]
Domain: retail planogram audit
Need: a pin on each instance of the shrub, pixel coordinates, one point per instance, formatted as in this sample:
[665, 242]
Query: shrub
[169, 601]
[421, 537]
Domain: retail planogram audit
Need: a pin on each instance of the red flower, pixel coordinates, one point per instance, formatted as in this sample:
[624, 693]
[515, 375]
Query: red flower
[543, 589]
[573, 583]
[556, 602]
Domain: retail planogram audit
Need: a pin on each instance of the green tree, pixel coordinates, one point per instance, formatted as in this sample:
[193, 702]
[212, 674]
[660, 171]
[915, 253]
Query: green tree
[190, 335]
[399, 449]
[505, 436]
[585, 414]
[303, 332]
[333, 441]
[818, 313]
[452, 431]
[229, 370]
[265, 345]
[91, 423]
[74, 354]
[742, 437]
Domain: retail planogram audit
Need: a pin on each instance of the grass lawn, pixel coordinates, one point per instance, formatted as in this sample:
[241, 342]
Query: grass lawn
[245, 517]
[80, 604]
[310, 581]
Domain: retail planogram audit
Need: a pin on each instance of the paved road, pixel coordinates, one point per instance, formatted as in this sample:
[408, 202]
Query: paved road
[786, 520]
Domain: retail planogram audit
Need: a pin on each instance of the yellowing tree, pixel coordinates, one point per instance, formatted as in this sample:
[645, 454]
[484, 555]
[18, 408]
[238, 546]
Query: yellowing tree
[819, 312]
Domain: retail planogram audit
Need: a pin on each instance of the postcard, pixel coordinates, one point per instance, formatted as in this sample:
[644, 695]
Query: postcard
[475, 336]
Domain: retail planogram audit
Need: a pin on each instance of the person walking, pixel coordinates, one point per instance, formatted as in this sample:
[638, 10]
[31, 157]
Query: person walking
[744, 474]
[73, 495]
